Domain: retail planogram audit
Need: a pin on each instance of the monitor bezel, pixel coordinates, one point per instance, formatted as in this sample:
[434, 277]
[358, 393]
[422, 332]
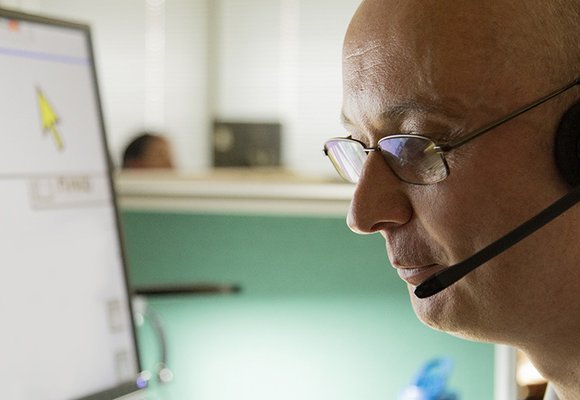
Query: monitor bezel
[139, 383]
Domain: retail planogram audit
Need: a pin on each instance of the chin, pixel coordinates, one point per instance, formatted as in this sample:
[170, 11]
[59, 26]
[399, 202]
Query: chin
[450, 313]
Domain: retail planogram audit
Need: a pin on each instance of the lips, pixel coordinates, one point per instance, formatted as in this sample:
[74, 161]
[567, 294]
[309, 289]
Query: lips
[417, 275]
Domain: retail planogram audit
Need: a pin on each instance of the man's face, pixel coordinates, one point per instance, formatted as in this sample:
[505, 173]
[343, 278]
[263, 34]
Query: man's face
[440, 70]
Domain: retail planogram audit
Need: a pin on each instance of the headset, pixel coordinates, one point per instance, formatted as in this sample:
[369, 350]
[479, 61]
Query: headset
[567, 157]
[567, 146]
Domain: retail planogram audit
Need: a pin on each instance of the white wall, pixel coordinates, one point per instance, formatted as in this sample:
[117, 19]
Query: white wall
[187, 75]
[282, 60]
[322, 27]
[230, 59]
[248, 70]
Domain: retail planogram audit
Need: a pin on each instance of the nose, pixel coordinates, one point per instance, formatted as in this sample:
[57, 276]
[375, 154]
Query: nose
[379, 201]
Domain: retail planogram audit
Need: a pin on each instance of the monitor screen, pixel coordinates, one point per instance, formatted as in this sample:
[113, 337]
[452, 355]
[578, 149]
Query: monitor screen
[66, 329]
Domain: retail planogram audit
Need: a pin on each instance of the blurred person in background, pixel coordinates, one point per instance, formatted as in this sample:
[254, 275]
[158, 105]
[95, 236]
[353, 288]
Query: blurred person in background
[148, 150]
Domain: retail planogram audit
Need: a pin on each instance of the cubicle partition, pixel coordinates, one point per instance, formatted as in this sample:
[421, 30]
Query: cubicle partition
[320, 313]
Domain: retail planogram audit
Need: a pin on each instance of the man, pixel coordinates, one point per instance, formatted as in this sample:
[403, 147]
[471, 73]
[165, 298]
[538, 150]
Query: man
[443, 69]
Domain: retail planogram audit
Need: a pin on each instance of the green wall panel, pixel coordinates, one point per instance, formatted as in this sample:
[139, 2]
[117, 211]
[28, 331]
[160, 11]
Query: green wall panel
[266, 255]
[321, 315]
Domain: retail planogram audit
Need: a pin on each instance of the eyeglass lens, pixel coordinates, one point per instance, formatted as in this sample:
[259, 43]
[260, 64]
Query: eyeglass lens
[413, 159]
[348, 158]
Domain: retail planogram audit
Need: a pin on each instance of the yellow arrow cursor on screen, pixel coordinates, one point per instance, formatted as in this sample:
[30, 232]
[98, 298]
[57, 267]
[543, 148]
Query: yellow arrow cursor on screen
[49, 119]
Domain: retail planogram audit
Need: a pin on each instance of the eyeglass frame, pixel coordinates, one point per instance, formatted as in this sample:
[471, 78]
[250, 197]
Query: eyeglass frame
[444, 148]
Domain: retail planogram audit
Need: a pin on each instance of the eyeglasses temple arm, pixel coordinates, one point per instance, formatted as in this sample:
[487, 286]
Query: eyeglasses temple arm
[486, 128]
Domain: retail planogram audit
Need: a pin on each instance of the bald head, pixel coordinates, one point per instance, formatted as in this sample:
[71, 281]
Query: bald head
[554, 27]
[537, 38]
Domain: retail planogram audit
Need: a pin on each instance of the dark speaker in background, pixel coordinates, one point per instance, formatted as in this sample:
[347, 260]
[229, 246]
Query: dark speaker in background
[246, 144]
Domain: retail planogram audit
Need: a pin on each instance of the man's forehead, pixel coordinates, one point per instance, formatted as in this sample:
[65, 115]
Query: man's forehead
[422, 23]
[434, 47]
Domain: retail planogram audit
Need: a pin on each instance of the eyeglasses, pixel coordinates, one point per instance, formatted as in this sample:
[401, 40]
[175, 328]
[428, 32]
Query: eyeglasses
[413, 158]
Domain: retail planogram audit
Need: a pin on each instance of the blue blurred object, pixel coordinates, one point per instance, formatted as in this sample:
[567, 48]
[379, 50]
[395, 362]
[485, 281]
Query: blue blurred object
[430, 382]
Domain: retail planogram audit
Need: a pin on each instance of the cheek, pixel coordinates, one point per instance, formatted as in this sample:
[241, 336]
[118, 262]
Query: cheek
[452, 222]
[474, 206]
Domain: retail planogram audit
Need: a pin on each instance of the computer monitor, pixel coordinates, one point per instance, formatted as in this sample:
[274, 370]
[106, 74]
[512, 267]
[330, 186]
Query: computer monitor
[66, 326]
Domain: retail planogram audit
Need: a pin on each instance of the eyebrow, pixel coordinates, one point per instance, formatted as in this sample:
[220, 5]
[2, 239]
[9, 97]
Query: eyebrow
[402, 109]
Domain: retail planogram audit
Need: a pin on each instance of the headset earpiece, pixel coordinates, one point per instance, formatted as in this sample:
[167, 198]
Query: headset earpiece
[567, 147]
